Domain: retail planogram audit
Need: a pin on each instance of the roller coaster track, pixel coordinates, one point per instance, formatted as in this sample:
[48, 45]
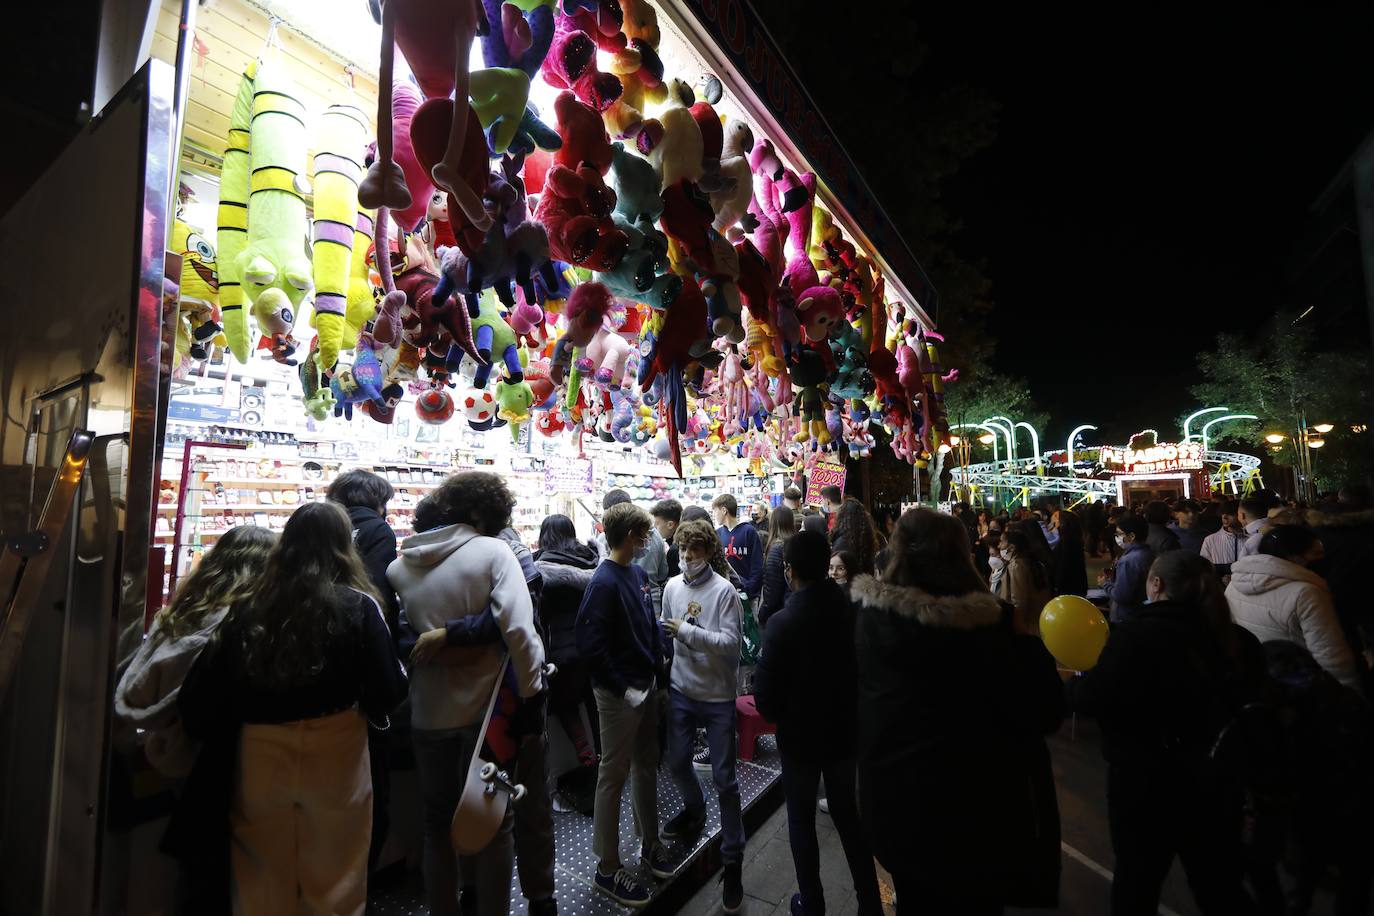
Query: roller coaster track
[1228, 470]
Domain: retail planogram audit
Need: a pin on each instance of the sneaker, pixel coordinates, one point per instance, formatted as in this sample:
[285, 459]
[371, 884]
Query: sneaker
[824, 805]
[656, 860]
[622, 888]
[797, 909]
[686, 823]
[732, 888]
[702, 759]
[543, 907]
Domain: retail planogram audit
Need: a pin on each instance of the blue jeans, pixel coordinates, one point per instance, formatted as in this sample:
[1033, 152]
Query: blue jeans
[685, 716]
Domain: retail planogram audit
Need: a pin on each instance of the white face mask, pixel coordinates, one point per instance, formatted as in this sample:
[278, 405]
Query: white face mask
[694, 568]
[996, 561]
[1121, 540]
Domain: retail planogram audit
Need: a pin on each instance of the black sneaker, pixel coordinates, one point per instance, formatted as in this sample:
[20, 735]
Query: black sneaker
[622, 888]
[543, 907]
[797, 909]
[702, 759]
[656, 860]
[732, 888]
[686, 823]
[467, 901]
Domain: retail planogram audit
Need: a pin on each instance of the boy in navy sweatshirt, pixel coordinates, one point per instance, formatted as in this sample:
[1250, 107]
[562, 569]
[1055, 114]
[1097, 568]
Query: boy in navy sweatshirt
[743, 546]
[618, 635]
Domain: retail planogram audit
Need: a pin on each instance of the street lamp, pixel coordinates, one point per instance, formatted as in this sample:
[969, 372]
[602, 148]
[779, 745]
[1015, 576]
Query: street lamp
[988, 439]
[1275, 438]
[1193, 416]
[1072, 437]
[1035, 444]
[1323, 428]
[1230, 416]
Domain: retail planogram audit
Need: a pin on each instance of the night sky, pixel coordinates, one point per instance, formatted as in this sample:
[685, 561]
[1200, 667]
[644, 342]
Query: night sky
[1148, 180]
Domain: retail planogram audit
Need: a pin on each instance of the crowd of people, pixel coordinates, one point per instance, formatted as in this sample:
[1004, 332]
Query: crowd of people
[900, 661]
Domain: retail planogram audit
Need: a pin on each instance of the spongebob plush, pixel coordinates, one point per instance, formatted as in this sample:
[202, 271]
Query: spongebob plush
[198, 293]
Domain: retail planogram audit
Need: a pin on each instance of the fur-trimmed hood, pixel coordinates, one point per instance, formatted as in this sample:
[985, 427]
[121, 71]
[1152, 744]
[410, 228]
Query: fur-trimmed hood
[960, 612]
[1363, 518]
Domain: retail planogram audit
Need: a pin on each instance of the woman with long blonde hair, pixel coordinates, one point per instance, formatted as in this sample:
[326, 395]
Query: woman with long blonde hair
[146, 697]
[300, 665]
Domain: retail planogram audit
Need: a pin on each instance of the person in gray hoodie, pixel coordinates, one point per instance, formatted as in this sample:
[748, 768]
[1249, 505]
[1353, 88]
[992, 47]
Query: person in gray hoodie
[453, 571]
[702, 614]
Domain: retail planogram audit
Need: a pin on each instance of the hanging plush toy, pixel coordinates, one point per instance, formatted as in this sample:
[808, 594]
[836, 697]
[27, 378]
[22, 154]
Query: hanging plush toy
[518, 34]
[233, 216]
[495, 340]
[571, 62]
[436, 38]
[198, 292]
[731, 201]
[679, 154]
[341, 136]
[276, 273]
[641, 76]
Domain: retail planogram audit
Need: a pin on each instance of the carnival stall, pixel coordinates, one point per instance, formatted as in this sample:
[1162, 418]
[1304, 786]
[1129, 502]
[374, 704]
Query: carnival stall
[603, 263]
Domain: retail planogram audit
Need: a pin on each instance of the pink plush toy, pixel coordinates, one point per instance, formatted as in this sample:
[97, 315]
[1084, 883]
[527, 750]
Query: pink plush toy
[571, 63]
[575, 209]
[821, 309]
[586, 309]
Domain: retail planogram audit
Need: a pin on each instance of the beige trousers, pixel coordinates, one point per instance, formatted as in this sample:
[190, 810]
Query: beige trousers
[302, 818]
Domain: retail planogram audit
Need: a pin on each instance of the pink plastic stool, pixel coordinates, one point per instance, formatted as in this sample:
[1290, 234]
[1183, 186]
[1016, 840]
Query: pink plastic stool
[749, 725]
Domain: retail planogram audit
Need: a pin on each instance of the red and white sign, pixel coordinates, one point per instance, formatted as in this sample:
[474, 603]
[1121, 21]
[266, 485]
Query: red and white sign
[1157, 459]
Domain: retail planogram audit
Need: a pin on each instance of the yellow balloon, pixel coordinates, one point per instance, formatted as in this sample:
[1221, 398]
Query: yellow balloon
[1074, 631]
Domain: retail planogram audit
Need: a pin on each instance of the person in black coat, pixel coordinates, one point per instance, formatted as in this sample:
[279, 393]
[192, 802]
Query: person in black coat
[1170, 678]
[1070, 566]
[805, 682]
[782, 526]
[365, 495]
[567, 566]
[955, 785]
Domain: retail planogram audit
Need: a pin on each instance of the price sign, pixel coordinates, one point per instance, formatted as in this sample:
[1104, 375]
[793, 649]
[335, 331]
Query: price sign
[824, 474]
[567, 475]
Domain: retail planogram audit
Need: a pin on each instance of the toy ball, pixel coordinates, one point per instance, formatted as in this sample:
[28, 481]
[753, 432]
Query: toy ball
[434, 406]
[479, 406]
[1074, 631]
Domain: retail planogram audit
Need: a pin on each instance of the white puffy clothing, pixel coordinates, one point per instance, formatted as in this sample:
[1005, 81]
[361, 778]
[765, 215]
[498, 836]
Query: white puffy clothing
[1275, 598]
[706, 650]
[147, 694]
[1254, 533]
[453, 572]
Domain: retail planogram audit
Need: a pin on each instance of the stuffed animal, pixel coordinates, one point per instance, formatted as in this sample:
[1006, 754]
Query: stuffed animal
[575, 210]
[638, 194]
[436, 38]
[518, 34]
[800, 274]
[342, 134]
[731, 200]
[852, 381]
[427, 321]
[275, 271]
[641, 76]
[233, 216]
[515, 247]
[429, 133]
[363, 381]
[571, 64]
[712, 145]
[499, 96]
[584, 136]
[821, 309]
[494, 339]
[197, 292]
[316, 397]
[676, 341]
[586, 310]
[514, 399]
[678, 155]
[607, 353]
[808, 379]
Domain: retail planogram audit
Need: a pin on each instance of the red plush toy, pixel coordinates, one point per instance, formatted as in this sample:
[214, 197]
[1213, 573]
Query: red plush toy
[429, 136]
[571, 64]
[820, 309]
[575, 209]
[686, 219]
[584, 135]
[755, 280]
[602, 20]
[713, 142]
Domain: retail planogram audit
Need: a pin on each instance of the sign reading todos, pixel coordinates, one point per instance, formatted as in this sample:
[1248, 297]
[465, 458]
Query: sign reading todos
[823, 474]
[1168, 456]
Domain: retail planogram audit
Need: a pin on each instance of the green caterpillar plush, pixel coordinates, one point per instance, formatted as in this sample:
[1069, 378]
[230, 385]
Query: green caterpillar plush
[276, 271]
[341, 136]
[233, 217]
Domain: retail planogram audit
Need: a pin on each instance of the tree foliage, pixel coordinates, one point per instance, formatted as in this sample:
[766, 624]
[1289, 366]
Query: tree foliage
[1280, 373]
[990, 394]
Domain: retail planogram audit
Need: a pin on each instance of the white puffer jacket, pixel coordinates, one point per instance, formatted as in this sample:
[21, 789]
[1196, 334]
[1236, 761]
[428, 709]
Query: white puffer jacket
[1275, 598]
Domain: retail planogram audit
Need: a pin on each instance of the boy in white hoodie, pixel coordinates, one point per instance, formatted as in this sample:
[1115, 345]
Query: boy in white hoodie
[701, 612]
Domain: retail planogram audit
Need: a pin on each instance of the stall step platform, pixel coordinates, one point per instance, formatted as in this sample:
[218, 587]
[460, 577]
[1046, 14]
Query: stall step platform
[574, 863]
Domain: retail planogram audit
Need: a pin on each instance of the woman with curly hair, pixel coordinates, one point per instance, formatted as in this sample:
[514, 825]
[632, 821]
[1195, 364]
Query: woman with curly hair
[448, 573]
[854, 531]
[302, 665]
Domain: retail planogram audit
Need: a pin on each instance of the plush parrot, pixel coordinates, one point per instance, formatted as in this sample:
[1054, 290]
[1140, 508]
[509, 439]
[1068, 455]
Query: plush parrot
[276, 271]
[341, 136]
[233, 216]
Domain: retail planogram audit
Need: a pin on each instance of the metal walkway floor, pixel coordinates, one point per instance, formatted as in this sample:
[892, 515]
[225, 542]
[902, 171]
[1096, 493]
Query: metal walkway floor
[575, 863]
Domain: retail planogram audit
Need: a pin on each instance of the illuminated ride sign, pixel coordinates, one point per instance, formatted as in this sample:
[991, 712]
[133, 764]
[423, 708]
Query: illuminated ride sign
[1156, 459]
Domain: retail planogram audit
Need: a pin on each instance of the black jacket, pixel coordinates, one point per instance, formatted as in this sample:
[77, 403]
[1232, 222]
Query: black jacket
[1348, 538]
[1070, 569]
[567, 571]
[1163, 688]
[1161, 539]
[805, 680]
[955, 786]
[774, 583]
[376, 544]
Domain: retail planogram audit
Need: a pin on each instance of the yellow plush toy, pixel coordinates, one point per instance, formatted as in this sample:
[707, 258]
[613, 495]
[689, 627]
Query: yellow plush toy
[276, 271]
[342, 135]
[198, 292]
[233, 217]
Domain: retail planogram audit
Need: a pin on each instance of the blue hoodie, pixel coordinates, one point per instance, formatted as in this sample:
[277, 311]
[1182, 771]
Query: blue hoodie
[617, 630]
[744, 553]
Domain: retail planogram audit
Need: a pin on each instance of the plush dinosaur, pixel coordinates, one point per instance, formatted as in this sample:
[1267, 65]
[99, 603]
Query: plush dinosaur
[317, 399]
[275, 271]
[233, 216]
[341, 135]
